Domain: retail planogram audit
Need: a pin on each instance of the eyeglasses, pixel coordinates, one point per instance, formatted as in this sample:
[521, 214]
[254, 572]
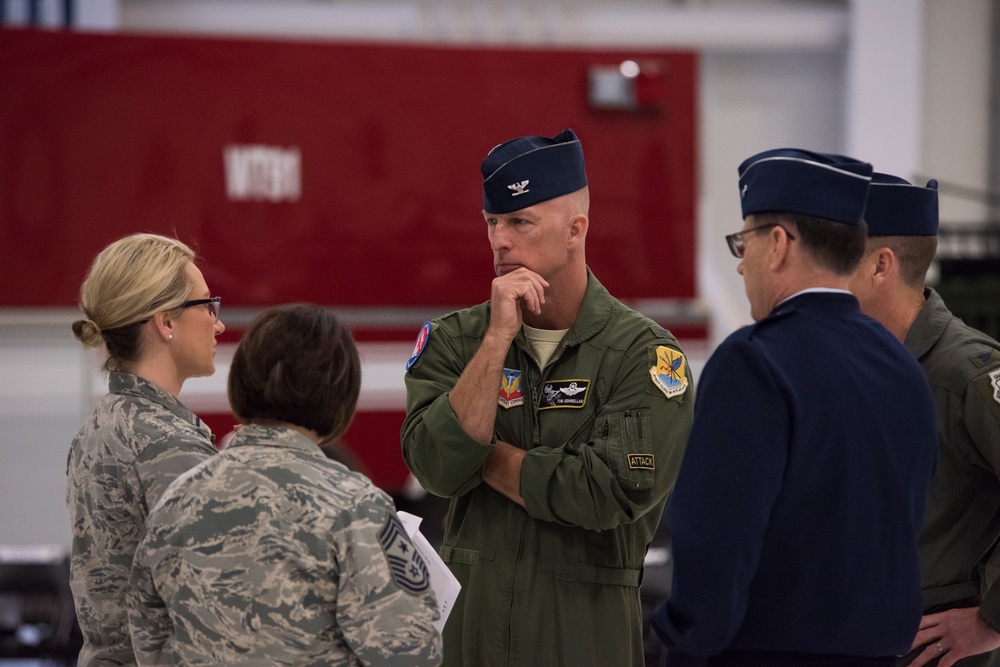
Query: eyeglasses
[738, 244]
[214, 305]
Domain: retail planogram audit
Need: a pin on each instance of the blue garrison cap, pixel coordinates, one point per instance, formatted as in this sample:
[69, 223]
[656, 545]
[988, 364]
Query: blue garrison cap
[791, 180]
[526, 171]
[898, 208]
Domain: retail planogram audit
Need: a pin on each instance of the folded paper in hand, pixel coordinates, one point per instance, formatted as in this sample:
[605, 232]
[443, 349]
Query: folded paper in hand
[443, 582]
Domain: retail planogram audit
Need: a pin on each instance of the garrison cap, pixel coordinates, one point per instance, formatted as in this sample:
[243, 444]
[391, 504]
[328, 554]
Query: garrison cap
[791, 180]
[526, 171]
[898, 208]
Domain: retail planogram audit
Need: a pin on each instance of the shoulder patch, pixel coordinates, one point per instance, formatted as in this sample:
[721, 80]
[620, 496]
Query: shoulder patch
[408, 568]
[669, 373]
[995, 383]
[418, 347]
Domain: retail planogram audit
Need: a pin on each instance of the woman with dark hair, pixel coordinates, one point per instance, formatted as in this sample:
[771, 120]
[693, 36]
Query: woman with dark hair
[148, 305]
[272, 553]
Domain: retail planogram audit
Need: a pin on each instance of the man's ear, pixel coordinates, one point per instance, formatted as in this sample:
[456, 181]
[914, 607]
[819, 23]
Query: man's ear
[884, 265]
[577, 229]
[780, 247]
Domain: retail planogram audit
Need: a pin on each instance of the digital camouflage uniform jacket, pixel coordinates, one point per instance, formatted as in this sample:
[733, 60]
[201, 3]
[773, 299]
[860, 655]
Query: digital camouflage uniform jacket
[271, 553]
[556, 582]
[962, 525]
[138, 439]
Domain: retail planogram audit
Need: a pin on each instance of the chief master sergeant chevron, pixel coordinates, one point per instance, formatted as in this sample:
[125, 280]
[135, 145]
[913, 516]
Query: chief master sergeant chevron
[554, 417]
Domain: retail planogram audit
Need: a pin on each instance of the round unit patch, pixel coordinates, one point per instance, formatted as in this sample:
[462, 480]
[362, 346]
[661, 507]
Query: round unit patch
[418, 348]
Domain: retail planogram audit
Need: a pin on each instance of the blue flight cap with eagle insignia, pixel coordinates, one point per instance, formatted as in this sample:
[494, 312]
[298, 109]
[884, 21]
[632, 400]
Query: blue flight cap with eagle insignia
[896, 207]
[526, 171]
[796, 181]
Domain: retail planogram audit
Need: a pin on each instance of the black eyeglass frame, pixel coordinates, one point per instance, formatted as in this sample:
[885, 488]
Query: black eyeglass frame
[737, 244]
[214, 305]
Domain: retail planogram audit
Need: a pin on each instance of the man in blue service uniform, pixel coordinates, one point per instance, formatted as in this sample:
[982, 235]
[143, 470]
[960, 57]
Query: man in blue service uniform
[554, 417]
[797, 508]
[958, 553]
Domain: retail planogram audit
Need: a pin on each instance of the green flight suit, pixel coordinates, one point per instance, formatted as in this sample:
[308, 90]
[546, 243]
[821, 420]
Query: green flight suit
[555, 582]
[958, 560]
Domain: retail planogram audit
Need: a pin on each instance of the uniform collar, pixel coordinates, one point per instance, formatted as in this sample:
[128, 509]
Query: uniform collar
[126, 384]
[929, 325]
[595, 312]
[834, 301]
[259, 435]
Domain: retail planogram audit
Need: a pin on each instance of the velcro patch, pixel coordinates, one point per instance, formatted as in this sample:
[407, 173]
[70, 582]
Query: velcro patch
[408, 568]
[564, 394]
[984, 358]
[418, 347]
[511, 392]
[669, 373]
[995, 382]
[641, 462]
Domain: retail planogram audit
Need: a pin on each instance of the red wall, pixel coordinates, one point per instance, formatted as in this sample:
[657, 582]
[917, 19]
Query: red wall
[105, 135]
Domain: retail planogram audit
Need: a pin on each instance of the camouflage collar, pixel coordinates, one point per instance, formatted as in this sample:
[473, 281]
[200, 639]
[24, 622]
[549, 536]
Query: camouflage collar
[127, 384]
[259, 435]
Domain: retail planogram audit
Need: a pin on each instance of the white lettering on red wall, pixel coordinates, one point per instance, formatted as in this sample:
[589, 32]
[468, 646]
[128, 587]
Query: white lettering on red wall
[256, 172]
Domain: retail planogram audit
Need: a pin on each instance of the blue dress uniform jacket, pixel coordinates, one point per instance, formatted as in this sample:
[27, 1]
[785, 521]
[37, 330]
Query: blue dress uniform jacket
[555, 582]
[800, 499]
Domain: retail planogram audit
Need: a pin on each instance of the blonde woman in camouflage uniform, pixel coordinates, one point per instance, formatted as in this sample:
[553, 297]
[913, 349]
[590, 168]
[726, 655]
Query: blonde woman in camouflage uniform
[271, 553]
[147, 303]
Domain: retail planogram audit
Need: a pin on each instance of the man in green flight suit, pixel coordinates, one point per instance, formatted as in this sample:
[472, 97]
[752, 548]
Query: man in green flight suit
[555, 418]
[958, 558]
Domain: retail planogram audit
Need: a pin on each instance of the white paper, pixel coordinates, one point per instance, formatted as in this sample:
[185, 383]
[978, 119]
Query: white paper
[443, 582]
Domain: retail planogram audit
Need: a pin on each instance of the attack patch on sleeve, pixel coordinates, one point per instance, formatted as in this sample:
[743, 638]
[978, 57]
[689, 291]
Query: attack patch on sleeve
[669, 373]
[418, 347]
[641, 462]
[408, 568]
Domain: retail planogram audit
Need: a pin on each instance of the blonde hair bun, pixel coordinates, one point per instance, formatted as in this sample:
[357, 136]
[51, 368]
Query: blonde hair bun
[88, 333]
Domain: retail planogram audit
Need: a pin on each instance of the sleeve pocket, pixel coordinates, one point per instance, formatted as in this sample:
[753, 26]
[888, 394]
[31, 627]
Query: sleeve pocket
[628, 448]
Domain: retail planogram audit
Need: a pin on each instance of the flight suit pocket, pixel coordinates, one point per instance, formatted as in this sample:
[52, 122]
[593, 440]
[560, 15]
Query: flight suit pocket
[460, 556]
[628, 438]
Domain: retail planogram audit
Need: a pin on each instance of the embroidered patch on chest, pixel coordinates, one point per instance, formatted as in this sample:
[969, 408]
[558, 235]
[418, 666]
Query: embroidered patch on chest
[407, 567]
[669, 372]
[641, 462]
[511, 394]
[564, 394]
[995, 381]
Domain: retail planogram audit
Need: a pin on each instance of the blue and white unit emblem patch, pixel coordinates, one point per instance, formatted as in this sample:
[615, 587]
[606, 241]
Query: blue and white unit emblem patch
[669, 372]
